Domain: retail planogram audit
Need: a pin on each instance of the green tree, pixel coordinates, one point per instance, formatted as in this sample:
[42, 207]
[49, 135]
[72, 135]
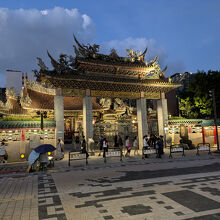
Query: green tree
[195, 100]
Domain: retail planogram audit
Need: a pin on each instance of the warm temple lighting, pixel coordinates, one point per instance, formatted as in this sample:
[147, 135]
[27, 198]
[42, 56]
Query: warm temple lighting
[49, 153]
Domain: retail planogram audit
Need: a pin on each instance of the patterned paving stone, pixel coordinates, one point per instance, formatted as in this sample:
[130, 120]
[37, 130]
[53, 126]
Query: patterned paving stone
[136, 209]
[192, 200]
[138, 190]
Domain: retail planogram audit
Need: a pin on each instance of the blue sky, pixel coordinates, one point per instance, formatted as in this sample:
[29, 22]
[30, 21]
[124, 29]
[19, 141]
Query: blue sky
[184, 33]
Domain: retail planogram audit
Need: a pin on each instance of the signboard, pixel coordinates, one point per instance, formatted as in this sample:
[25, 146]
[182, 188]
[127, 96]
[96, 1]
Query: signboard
[203, 148]
[150, 151]
[77, 156]
[113, 154]
[176, 149]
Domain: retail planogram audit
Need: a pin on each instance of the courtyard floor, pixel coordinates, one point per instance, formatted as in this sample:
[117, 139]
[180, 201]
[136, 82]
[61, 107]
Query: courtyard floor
[178, 188]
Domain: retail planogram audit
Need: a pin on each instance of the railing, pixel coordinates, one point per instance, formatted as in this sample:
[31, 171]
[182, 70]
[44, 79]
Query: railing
[112, 152]
[77, 156]
[176, 149]
[146, 152]
[203, 147]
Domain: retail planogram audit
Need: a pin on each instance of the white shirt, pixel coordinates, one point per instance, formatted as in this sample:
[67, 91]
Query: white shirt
[145, 143]
[2, 150]
[105, 145]
[127, 143]
[135, 143]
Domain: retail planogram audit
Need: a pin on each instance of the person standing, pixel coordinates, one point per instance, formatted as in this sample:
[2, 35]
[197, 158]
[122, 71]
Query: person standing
[146, 145]
[120, 142]
[159, 147]
[77, 143]
[59, 150]
[135, 146]
[116, 141]
[2, 153]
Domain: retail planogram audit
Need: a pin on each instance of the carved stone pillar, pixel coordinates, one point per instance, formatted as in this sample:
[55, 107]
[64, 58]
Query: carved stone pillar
[162, 114]
[142, 120]
[87, 116]
[59, 115]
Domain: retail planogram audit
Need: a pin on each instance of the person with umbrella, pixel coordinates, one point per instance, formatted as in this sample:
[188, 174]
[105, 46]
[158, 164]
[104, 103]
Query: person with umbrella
[34, 155]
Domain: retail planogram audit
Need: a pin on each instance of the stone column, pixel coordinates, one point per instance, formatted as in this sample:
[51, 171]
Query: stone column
[162, 114]
[142, 120]
[87, 116]
[59, 115]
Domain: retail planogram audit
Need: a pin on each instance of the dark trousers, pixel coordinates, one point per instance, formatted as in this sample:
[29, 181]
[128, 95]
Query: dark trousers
[105, 149]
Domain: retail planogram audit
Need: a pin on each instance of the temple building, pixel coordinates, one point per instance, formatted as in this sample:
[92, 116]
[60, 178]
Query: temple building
[93, 94]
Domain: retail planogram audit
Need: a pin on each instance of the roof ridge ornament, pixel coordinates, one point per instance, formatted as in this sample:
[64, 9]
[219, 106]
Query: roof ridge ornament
[10, 93]
[25, 100]
[86, 50]
[136, 55]
[41, 64]
[162, 73]
[35, 86]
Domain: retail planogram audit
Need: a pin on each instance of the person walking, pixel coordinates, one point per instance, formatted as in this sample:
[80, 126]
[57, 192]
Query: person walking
[128, 146]
[105, 147]
[100, 145]
[83, 150]
[135, 146]
[3, 153]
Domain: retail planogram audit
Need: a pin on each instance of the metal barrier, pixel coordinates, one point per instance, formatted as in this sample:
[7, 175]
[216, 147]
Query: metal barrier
[77, 156]
[146, 152]
[176, 149]
[113, 152]
[203, 147]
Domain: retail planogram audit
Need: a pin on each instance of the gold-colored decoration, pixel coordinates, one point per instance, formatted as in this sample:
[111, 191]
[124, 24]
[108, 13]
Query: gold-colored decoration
[114, 94]
[10, 93]
[105, 102]
[2, 105]
[73, 92]
[152, 95]
[38, 87]
[25, 100]
[8, 105]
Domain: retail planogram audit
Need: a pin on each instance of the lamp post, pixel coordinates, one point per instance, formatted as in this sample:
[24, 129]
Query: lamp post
[42, 116]
[215, 119]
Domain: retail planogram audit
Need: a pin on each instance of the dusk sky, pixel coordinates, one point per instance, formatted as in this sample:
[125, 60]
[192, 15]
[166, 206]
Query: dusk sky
[185, 34]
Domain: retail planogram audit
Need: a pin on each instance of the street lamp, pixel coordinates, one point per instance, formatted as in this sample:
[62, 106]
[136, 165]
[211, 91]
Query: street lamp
[42, 116]
[215, 118]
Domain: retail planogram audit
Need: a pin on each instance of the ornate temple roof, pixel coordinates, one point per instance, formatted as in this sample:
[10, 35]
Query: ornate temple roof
[35, 97]
[12, 105]
[106, 75]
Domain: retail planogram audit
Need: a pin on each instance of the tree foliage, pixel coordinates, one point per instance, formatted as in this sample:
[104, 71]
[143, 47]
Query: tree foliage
[195, 100]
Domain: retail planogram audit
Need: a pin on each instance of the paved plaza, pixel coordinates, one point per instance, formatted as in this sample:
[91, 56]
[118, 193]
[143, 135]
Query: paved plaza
[178, 188]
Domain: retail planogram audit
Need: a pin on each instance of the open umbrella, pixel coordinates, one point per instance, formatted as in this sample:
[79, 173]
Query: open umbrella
[44, 148]
[33, 157]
